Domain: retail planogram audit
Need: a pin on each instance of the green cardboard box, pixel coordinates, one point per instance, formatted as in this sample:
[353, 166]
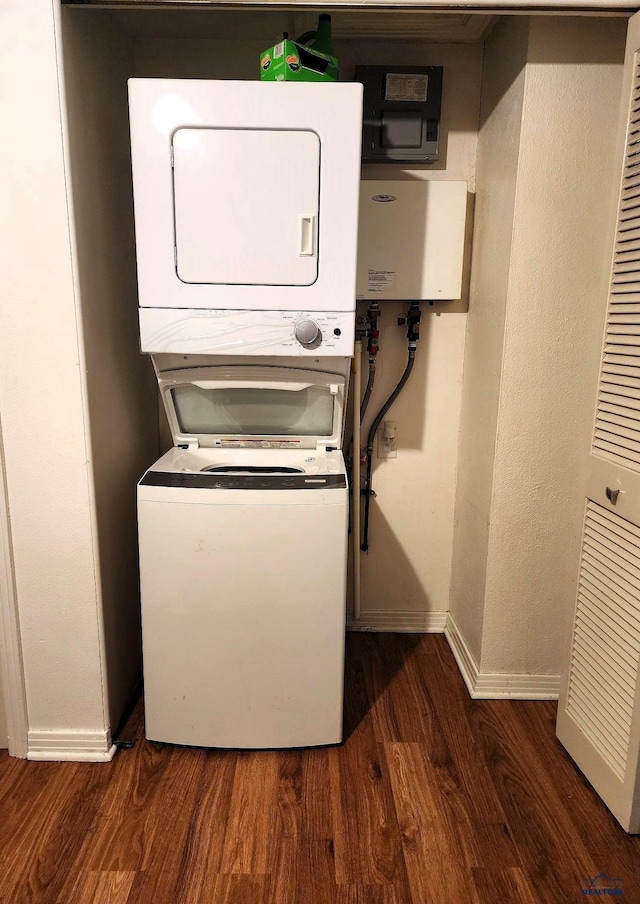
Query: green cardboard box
[289, 61]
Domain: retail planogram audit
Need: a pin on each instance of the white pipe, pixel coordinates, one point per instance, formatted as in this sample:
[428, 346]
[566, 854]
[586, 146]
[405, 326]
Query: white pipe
[355, 477]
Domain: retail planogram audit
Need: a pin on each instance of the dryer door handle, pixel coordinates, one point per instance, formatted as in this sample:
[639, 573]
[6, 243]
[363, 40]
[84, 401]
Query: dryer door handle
[307, 242]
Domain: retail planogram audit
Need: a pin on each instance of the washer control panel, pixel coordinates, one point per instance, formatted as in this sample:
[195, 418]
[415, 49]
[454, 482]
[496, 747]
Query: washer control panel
[205, 332]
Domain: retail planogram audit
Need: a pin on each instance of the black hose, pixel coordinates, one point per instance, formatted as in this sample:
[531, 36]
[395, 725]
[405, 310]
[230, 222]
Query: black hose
[367, 392]
[371, 439]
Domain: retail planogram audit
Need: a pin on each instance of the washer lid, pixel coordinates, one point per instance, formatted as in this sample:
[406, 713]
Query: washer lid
[254, 406]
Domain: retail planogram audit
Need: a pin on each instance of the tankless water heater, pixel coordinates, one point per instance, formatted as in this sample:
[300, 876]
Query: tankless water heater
[411, 240]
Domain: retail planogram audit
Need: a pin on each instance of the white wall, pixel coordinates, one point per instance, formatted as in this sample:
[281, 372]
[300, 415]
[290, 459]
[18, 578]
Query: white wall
[12, 688]
[560, 259]
[498, 157]
[554, 310]
[76, 398]
[406, 576]
[121, 386]
[43, 394]
[3, 718]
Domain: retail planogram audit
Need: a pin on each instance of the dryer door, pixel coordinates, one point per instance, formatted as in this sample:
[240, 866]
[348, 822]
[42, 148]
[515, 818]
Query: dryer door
[254, 406]
[246, 206]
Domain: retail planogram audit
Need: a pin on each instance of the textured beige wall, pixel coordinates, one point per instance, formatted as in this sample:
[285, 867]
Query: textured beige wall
[521, 543]
[408, 567]
[557, 295]
[409, 564]
[498, 158]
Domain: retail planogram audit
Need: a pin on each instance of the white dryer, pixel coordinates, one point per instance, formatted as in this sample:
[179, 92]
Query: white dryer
[243, 555]
[246, 200]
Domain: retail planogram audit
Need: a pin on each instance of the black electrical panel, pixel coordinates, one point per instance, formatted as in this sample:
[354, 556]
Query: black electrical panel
[401, 116]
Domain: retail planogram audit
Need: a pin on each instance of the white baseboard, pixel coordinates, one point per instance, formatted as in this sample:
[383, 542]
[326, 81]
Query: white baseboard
[462, 654]
[71, 746]
[488, 686]
[517, 687]
[399, 621]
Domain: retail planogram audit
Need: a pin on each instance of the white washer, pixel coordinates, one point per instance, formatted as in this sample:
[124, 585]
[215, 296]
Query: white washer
[243, 555]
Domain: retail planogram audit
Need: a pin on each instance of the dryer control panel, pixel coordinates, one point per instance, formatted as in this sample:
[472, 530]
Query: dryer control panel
[205, 332]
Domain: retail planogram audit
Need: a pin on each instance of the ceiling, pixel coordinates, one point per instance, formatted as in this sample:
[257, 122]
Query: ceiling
[196, 22]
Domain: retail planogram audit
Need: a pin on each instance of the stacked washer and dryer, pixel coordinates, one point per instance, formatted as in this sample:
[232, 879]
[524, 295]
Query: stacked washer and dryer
[246, 211]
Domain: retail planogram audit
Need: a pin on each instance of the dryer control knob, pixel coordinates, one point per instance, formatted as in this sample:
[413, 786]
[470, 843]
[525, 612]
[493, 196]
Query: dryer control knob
[307, 332]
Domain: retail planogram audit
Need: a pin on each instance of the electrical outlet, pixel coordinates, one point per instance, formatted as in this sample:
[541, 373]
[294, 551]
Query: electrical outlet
[388, 440]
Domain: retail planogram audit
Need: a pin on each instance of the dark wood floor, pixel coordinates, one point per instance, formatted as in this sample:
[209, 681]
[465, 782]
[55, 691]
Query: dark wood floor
[432, 798]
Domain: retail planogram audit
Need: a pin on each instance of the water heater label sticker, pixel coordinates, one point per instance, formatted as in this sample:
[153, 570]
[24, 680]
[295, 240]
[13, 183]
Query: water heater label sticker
[406, 86]
[379, 280]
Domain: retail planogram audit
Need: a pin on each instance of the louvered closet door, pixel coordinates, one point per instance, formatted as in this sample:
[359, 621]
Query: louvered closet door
[599, 709]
